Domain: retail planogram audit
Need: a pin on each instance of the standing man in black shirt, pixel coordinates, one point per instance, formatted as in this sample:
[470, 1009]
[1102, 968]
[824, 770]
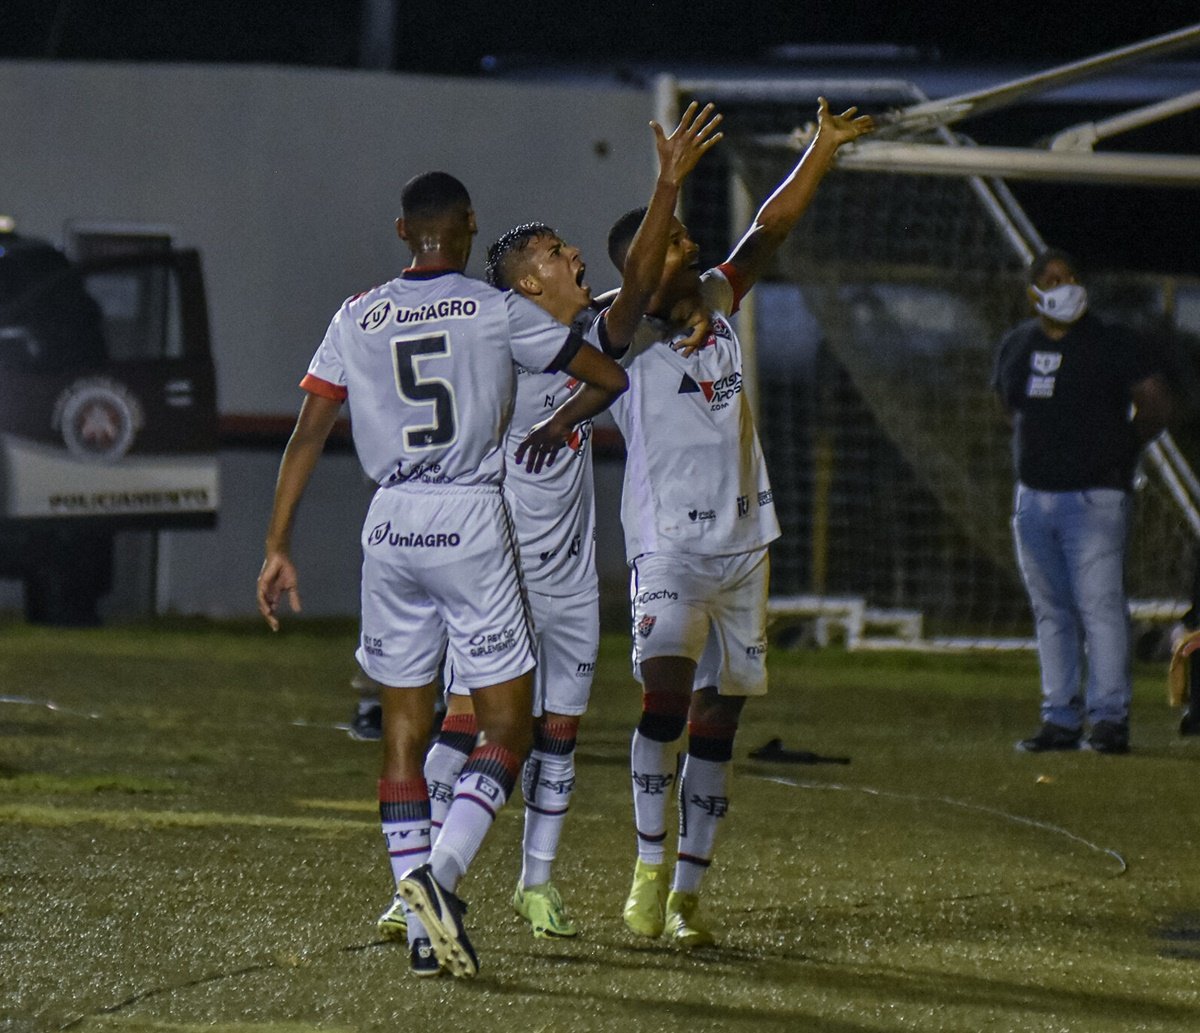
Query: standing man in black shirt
[1084, 396]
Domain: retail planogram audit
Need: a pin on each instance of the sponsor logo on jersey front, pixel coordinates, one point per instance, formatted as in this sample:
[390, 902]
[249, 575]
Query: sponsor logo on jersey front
[585, 669]
[717, 393]
[382, 534]
[743, 505]
[698, 515]
[757, 649]
[766, 498]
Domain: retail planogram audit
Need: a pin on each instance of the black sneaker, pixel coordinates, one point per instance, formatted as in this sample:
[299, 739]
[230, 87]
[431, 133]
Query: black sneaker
[1109, 737]
[1051, 737]
[422, 961]
[1189, 724]
[440, 911]
[367, 723]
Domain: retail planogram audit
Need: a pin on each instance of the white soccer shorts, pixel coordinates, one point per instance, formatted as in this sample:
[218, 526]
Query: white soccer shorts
[710, 609]
[440, 572]
[567, 634]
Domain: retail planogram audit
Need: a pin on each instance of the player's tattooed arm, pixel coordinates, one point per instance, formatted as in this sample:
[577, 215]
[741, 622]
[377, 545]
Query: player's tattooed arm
[678, 155]
[278, 576]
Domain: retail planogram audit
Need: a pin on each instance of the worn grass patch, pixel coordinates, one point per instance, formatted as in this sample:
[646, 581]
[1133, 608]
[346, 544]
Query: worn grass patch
[203, 854]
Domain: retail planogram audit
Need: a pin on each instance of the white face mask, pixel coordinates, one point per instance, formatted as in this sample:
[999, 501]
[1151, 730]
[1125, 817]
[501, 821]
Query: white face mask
[1064, 303]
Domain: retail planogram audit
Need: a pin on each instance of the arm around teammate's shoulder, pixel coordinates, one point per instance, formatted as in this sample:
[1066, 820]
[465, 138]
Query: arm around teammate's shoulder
[593, 367]
[604, 381]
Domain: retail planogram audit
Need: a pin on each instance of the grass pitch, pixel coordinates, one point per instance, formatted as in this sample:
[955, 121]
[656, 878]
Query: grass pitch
[188, 842]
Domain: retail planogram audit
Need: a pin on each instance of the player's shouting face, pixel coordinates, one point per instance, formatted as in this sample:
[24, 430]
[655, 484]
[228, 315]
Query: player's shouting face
[559, 271]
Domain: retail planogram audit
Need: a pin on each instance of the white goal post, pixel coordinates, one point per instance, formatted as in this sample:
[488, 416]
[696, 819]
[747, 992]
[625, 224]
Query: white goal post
[869, 349]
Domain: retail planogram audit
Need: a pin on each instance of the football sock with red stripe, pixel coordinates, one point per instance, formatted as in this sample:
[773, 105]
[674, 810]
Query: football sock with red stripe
[548, 780]
[404, 818]
[486, 782]
[444, 762]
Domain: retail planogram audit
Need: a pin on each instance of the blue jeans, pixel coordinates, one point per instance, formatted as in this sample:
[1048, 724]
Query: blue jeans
[1071, 550]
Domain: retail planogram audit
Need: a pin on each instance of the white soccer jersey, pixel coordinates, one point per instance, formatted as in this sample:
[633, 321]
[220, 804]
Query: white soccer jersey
[554, 511]
[426, 364]
[695, 479]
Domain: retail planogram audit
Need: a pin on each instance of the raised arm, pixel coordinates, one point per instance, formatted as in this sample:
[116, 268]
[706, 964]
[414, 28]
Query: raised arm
[678, 154]
[782, 210]
[304, 447]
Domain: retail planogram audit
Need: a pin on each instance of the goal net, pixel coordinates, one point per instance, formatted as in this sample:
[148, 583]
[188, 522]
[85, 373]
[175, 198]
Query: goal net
[874, 336]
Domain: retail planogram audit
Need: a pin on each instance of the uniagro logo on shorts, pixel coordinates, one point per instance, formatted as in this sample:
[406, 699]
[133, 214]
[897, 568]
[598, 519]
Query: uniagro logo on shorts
[382, 534]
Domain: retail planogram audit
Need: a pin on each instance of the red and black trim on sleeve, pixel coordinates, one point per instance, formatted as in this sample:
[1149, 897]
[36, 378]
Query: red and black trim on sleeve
[736, 281]
[568, 351]
[317, 386]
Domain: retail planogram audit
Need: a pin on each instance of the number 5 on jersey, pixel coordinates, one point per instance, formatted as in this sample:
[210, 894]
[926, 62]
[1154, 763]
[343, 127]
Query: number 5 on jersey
[407, 355]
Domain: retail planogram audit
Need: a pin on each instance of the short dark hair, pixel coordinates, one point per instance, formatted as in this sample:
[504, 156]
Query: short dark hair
[621, 236]
[1051, 254]
[501, 256]
[432, 193]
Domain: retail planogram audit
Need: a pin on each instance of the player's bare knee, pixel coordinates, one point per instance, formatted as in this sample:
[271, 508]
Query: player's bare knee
[709, 709]
[555, 733]
[664, 715]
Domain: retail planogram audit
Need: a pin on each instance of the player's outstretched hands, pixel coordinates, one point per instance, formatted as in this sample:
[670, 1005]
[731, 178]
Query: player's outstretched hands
[278, 575]
[691, 140]
[843, 128]
[542, 444]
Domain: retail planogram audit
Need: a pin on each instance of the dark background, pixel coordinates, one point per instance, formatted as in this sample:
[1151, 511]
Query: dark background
[454, 37]
[1109, 228]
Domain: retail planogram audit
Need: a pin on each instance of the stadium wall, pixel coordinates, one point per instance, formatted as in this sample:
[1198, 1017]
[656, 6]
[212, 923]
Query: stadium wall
[287, 181]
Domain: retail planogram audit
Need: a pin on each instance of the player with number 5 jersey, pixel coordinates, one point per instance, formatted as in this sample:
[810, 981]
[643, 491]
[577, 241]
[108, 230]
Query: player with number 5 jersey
[427, 364]
[550, 484]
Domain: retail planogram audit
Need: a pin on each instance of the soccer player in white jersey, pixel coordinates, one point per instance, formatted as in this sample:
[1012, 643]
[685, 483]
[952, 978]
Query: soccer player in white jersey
[427, 364]
[698, 513]
[554, 512]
